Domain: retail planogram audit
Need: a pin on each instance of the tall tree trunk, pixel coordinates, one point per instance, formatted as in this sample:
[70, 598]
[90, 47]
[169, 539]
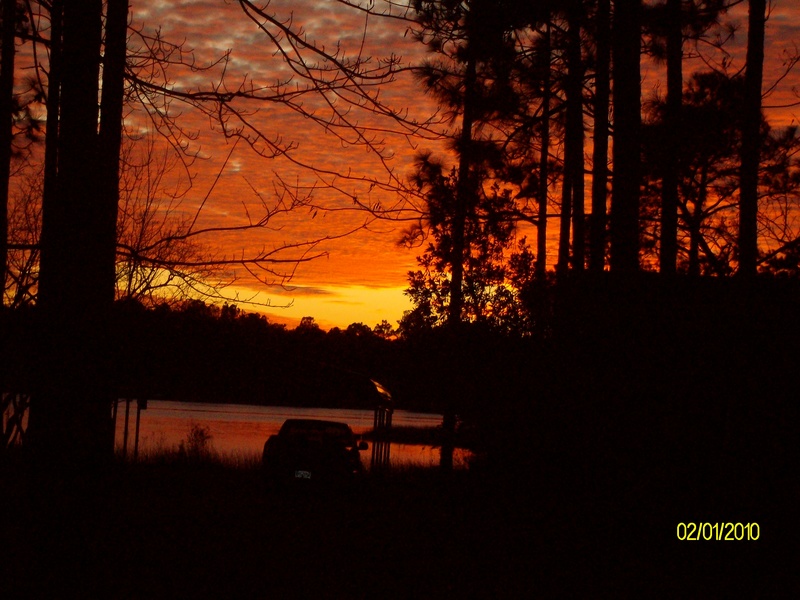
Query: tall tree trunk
[110, 143]
[541, 225]
[562, 265]
[696, 235]
[464, 192]
[464, 199]
[53, 108]
[7, 51]
[750, 155]
[573, 142]
[70, 412]
[597, 222]
[626, 54]
[575, 135]
[668, 255]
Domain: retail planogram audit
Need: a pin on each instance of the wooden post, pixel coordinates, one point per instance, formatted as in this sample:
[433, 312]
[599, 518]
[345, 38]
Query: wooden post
[382, 423]
[140, 406]
[125, 433]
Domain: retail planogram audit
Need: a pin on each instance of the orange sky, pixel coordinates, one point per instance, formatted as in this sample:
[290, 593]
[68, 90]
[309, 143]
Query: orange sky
[362, 276]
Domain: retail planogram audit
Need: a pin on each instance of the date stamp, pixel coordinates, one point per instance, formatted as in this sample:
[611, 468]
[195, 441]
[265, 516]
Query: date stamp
[720, 532]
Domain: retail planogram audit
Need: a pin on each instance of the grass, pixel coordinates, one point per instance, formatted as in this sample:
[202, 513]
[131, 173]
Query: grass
[196, 447]
[427, 436]
[172, 526]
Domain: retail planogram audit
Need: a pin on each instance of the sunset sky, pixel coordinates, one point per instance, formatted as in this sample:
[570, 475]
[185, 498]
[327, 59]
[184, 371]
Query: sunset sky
[360, 277]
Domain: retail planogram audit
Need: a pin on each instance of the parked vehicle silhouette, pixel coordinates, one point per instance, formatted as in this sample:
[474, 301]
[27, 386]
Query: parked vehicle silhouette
[312, 450]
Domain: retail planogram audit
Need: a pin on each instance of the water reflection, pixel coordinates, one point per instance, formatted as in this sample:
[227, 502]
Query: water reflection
[239, 431]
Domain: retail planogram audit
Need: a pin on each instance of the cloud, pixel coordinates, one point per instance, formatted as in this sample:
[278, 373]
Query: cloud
[304, 291]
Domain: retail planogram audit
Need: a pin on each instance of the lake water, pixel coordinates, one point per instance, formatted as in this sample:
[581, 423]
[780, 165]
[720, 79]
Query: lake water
[239, 431]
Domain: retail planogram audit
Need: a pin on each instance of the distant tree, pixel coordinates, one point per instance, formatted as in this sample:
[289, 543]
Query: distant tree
[307, 324]
[359, 330]
[384, 330]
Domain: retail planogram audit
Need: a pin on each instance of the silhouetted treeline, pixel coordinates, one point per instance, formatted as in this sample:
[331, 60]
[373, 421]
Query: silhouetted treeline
[196, 352]
[201, 353]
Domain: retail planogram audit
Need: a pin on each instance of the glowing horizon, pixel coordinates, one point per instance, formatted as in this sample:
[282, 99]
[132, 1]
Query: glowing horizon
[330, 306]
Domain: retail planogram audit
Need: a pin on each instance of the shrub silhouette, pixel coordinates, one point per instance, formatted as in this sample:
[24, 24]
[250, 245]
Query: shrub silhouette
[197, 444]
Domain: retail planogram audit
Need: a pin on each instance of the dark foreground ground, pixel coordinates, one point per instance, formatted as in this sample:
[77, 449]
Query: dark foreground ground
[189, 530]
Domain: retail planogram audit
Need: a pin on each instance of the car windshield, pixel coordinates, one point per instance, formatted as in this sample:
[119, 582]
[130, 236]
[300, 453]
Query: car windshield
[319, 430]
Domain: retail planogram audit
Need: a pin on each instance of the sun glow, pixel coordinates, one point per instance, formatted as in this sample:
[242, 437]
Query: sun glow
[331, 306]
